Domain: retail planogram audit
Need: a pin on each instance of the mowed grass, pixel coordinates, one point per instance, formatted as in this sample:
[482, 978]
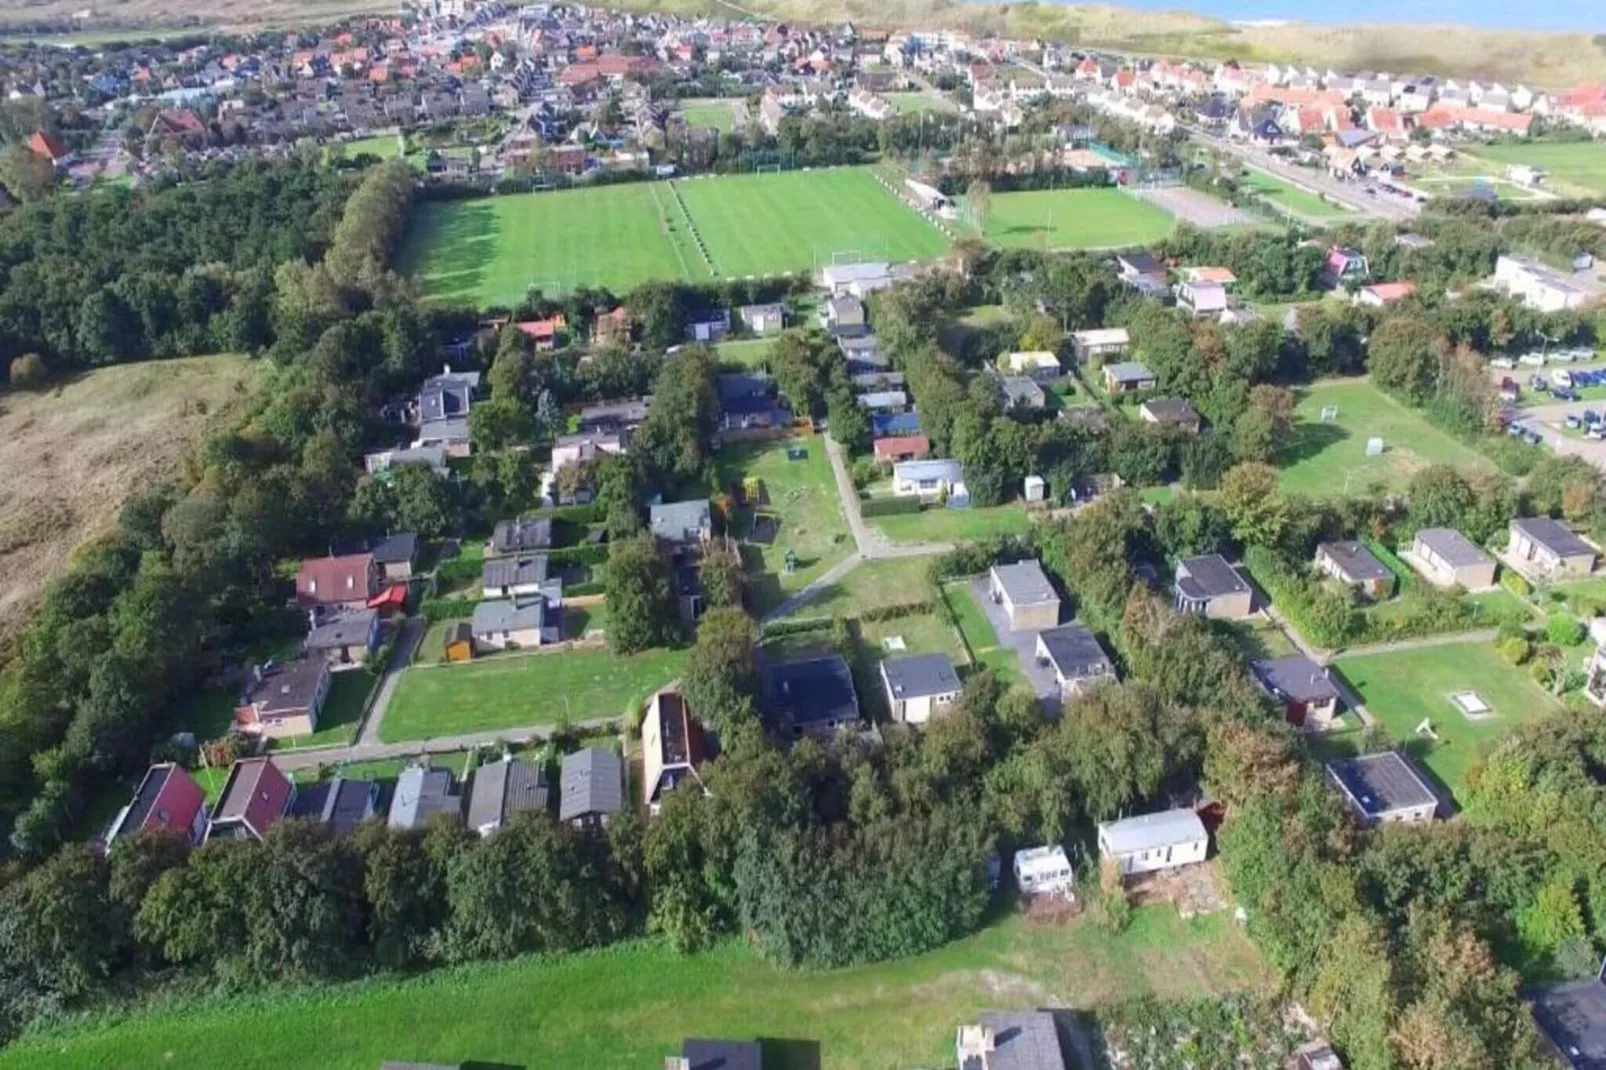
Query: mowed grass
[1576, 163]
[1074, 219]
[627, 1007]
[978, 632]
[523, 691]
[1329, 459]
[939, 524]
[1402, 689]
[718, 114]
[774, 224]
[1291, 196]
[490, 251]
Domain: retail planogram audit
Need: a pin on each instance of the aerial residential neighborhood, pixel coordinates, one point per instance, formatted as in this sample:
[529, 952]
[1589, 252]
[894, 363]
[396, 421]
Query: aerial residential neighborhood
[558, 536]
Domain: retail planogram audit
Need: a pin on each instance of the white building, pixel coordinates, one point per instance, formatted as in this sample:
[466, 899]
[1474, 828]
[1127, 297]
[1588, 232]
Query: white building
[1154, 842]
[1539, 287]
[1044, 871]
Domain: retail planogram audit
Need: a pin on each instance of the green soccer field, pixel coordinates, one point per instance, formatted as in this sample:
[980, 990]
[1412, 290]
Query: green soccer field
[490, 251]
[1574, 163]
[1074, 219]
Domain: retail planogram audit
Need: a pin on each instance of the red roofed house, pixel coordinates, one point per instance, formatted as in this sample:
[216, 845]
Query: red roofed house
[545, 332]
[617, 65]
[182, 125]
[1388, 122]
[346, 582]
[51, 147]
[256, 797]
[579, 74]
[168, 799]
[1383, 294]
[901, 448]
[613, 327]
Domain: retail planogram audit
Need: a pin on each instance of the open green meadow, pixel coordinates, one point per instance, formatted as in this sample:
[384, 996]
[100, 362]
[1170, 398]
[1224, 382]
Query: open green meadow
[522, 691]
[1573, 163]
[1074, 219]
[490, 251]
[917, 101]
[1404, 688]
[710, 113]
[627, 1007]
[1291, 196]
[1330, 458]
[939, 524]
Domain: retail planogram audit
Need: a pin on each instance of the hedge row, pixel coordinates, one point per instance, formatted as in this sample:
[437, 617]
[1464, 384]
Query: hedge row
[889, 506]
[435, 610]
[775, 629]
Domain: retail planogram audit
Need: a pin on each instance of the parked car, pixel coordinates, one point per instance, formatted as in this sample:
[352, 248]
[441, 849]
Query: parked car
[1597, 433]
[1562, 356]
[1532, 360]
[1572, 421]
[1539, 383]
[1503, 363]
[1564, 394]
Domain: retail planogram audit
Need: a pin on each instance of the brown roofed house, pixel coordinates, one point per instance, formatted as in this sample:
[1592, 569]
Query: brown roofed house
[256, 797]
[347, 582]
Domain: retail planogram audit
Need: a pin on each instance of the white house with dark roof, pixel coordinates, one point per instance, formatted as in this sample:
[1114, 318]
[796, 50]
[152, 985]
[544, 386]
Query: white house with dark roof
[1447, 558]
[1304, 689]
[1076, 657]
[1208, 585]
[1010, 1040]
[1024, 592]
[919, 686]
[1352, 564]
[1153, 842]
[1547, 549]
[1384, 789]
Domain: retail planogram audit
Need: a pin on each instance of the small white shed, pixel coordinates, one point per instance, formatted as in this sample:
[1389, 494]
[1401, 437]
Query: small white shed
[1044, 871]
[1166, 840]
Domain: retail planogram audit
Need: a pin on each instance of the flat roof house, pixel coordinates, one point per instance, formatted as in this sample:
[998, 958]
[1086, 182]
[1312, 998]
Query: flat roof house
[256, 796]
[340, 803]
[1448, 558]
[763, 319]
[1076, 656]
[1010, 1040]
[1538, 286]
[515, 577]
[591, 787]
[718, 1055]
[1383, 789]
[1208, 585]
[1043, 870]
[501, 789]
[1573, 1018]
[1038, 364]
[521, 536]
[919, 686]
[1127, 376]
[346, 640]
[1171, 412]
[512, 624]
[1100, 343]
[168, 800]
[346, 582]
[284, 700]
[423, 791]
[814, 696]
[1028, 599]
[1353, 565]
[672, 747]
[1306, 690]
[1022, 393]
[680, 524]
[1549, 549]
[1152, 842]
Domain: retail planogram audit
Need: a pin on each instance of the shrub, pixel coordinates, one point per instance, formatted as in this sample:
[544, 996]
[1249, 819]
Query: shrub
[1515, 650]
[28, 372]
[1564, 629]
[1513, 582]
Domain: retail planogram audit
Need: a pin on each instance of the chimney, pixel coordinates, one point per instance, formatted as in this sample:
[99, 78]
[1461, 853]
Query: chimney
[976, 1042]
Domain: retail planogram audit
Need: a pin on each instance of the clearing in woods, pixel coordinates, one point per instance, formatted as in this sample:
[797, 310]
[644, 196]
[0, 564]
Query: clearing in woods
[74, 453]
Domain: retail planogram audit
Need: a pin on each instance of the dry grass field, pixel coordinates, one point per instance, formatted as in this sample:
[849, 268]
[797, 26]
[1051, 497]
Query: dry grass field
[71, 457]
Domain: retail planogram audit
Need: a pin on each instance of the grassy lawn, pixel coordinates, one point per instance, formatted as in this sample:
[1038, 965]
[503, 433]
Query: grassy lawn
[893, 581]
[627, 1007]
[341, 712]
[914, 102]
[1291, 196]
[1450, 185]
[1074, 219]
[516, 692]
[794, 221]
[978, 632]
[1330, 458]
[1581, 164]
[954, 525]
[383, 146]
[714, 113]
[748, 352]
[1403, 688]
[1259, 639]
[802, 497]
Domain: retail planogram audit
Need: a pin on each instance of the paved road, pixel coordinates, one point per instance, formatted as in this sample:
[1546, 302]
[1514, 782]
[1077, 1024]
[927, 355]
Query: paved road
[367, 752]
[412, 633]
[872, 544]
[1398, 209]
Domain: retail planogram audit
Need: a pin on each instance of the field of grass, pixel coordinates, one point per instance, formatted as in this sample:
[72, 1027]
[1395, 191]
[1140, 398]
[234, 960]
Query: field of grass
[978, 632]
[913, 103]
[778, 223]
[1452, 185]
[802, 497]
[1403, 688]
[748, 352]
[1330, 458]
[718, 114]
[1581, 164]
[384, 146]
[954, 525]
[1074, 219]
[491, 250]
[73, 454]
[627, 1007]
[1291, 196]
[522, 691]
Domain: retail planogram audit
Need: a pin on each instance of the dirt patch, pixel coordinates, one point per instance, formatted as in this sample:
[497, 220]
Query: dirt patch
[74, 454]
[1193, 890]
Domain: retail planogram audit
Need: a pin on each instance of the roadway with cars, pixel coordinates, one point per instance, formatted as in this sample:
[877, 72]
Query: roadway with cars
[1549, 420]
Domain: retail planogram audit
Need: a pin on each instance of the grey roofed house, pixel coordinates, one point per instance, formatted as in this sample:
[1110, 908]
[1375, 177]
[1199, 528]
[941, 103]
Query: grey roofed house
[515, 571]
[1454, 548]
[396, 549]
[863, 353]
[525, 533]
[502, 789]
[1354, 561]
[920, 675]
[814, 694]
[1022, 391]
[508, 615]
[1177, 411]
[422, 791]
[435, 432]
[613, 416]
[883, 400]
[1208, 576]
[447, 396]
[877, 378]
[351, 629]
[1025, 583]
[1573, 1017]
[722, 1054]
[1553, 535]
[592, 783]
[1146, 832]
[1381, 784]
[1075, 652]
[291, 686]
[1295, 678]
[1011, 1040]
[681, 522]
[341, 803]
[1129, 371]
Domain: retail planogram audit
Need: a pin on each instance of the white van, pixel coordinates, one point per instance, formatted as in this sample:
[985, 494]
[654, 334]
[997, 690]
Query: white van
[1561, 377]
